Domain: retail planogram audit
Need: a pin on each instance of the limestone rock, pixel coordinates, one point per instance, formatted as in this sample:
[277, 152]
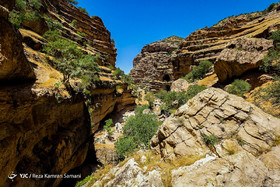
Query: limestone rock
[240, 56]
[179, 85]
[241, 169]
[152, 66]
[222, 115]
[130, 174]
[13, 63]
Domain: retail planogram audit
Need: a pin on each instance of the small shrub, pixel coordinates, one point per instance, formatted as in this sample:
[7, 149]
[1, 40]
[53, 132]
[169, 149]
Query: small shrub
[270, 93]
[113, 41]
[240, 141]
[270, 62]
[275, 36]
[138, 131]
[140, 109]
[83, 182]
[21, 5]
[83, 10]
[231, 152]
[239, 87]
[181, 97]
[73, 2]
[210, 140]
[108, 126]
[271, 7]
[150, 98]
[118, 73]
[36, 4]
[82, 34]
[73, 23]
[199, 71]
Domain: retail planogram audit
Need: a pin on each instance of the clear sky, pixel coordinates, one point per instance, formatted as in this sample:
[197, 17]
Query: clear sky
[134, 23]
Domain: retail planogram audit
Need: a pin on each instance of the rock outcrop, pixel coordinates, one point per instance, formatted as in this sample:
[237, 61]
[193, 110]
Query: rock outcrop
[130, 174]
[152, 66]
[233, 141]
[240, 56]
[45, 127]
[179, 85]
[215, 113]
[209, 44]
[13, 63]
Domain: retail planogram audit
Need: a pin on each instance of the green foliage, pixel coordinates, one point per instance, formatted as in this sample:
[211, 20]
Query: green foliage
[25, 11]
[275, 36]
[138, 131]
[108, 126]
[73, 2]
[118, 73]
[140, 109]
[270, 93]
[199, 71]
[268, 66]
[239, 87]
[36, 4]
[113, 41]
[82, 34]
[181, 97]
[210, 140]
[21, 5]
[271, 7]
[83, 182]
[71, 61]
[73, 23]
[125, 146]
[150, 98]
[83, 10]
[53, 25]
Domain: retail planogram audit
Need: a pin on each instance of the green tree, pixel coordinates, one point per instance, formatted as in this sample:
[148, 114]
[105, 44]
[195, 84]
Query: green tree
[239, 87]
[138, 131]
[108, 126]
[199, 71]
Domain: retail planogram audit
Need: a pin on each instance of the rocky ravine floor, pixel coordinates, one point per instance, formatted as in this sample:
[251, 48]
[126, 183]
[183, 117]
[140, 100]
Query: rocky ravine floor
[234, 144]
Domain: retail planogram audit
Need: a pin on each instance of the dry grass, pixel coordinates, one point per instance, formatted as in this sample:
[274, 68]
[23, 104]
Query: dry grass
[154, 161]
[99, 174]
[276, 141]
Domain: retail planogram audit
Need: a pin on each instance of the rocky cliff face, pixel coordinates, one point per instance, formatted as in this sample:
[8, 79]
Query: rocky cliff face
[152, 66]
[207, 44]
[45, 129]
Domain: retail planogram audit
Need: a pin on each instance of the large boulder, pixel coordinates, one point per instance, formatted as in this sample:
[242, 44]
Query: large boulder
[130, 174]
[13, 63]
[241, 169]
[179, 85]
[215, 115]
[241, 55]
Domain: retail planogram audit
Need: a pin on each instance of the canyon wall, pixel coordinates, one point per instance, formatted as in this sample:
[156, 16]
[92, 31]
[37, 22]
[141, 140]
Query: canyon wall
[203, 44]
[45, 128]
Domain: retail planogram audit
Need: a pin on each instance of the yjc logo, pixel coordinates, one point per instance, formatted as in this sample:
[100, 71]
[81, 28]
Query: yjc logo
[24, 176]
[12, 176]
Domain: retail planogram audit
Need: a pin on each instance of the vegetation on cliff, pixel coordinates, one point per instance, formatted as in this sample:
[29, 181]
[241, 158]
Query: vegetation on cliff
[25, 11]
[138, 131]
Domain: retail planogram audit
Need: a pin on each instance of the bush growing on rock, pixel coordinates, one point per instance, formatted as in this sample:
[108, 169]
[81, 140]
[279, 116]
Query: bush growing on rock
[70, 60]
[138, 131]
[239, 87]
[181, 98]
[25, 11]
[199, 71]
[108, 126]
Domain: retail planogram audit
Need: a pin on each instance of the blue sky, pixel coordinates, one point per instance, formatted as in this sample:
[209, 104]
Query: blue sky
[135, 23]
